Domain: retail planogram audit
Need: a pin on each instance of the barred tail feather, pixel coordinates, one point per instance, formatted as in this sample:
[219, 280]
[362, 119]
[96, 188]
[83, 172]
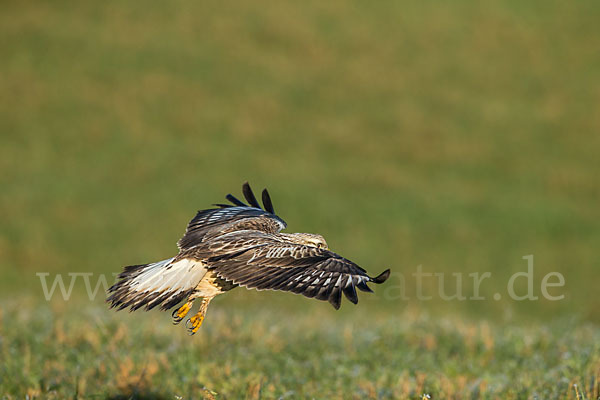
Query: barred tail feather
[164, 283]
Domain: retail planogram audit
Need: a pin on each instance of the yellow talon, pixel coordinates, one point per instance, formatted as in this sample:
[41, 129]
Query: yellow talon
[193, 324]
[184, 309]
[179, 314]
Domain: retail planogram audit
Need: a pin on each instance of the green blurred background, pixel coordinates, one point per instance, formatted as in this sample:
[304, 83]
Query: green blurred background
[457, 136]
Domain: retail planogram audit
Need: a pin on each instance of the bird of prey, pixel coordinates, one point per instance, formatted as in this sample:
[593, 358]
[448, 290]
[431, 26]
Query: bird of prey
[234, 245]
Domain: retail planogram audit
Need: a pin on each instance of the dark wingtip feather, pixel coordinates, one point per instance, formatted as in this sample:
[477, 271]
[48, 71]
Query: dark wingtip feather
[249, 195]
[350, 292]
[382, 277]
[235, 201]
[363, 286]
[267, 201]
[335, 298]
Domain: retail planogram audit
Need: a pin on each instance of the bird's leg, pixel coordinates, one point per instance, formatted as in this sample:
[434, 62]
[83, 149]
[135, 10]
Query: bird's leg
[193, 323]
[180, 313]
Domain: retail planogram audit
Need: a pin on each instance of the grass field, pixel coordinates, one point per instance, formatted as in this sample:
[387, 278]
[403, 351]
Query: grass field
[457, 137]
[250, 353]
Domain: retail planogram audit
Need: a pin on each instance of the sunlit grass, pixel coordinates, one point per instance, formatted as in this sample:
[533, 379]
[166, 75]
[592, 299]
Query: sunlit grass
[249, 352]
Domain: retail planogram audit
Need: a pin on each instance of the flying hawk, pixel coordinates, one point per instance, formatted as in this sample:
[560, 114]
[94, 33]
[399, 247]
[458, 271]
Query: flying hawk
[239, 245]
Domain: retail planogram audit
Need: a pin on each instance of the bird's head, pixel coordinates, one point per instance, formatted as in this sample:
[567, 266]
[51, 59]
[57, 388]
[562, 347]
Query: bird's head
[311, 239]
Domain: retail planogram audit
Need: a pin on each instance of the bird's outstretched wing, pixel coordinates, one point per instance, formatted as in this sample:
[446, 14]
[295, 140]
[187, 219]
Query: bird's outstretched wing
[230, 218]
[271, 264]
